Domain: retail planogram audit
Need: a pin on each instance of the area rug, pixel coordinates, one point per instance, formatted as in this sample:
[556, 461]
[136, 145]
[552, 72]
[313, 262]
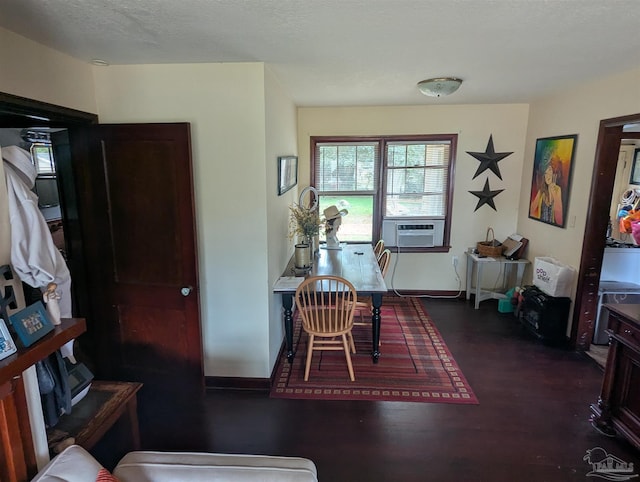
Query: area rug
[415, 365]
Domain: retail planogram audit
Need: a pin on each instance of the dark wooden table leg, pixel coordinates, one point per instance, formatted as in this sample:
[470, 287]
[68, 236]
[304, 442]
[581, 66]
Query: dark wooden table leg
[375, 326]
[132, 415]
[287, 304]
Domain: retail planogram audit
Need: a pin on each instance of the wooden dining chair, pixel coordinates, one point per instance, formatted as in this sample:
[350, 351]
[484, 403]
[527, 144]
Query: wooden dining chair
[378, 248]
[326, 305]
[383, 261]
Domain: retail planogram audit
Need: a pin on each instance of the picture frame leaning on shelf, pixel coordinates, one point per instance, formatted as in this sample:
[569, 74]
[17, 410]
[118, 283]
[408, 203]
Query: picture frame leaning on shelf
[31, 323]
[7, 345]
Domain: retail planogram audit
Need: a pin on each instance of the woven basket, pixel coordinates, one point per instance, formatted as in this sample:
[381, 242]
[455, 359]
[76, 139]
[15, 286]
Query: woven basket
[490, 247]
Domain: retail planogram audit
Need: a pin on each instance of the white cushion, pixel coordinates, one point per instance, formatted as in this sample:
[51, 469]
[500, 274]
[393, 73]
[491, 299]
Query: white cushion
[189, 466]
[73, 464]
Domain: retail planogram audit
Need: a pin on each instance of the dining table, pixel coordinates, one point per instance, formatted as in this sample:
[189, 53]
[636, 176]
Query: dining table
[357, 264]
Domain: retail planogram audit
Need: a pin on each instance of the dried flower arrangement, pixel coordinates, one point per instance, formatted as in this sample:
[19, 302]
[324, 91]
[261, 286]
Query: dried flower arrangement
[304, 223]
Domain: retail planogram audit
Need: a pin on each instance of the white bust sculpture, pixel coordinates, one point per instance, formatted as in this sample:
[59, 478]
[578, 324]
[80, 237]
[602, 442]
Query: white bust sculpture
[333, 220]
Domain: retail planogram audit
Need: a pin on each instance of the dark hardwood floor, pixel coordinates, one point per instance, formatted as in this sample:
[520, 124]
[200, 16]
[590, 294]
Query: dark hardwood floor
[532, 423]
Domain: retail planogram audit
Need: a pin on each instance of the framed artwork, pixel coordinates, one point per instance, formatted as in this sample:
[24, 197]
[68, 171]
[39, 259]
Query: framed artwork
[635, 168]
[551, 180]
[31, 324]
[7, 346]
[287, 173]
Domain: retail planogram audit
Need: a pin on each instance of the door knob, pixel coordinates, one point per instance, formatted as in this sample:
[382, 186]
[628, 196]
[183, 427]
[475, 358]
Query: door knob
[185, 291]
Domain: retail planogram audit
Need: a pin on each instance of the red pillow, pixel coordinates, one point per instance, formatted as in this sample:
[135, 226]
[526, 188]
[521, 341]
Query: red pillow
[105, 476]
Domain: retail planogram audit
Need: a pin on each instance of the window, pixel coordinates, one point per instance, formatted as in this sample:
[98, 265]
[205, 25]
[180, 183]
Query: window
[43, 158]
[46, 183]
[385, 178]
[416, 175]
[346, 174]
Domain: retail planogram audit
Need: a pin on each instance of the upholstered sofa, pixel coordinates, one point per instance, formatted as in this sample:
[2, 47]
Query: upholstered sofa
[74, 464]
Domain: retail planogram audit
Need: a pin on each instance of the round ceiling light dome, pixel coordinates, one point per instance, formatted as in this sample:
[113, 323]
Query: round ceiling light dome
[439, 86]
[100, 62]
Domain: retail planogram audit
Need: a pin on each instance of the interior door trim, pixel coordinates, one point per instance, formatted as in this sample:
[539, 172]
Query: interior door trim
[610, 134]
[16, 111]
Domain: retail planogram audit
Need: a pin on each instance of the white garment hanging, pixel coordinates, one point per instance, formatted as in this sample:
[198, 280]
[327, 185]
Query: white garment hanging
[34, 256]
[31, 388]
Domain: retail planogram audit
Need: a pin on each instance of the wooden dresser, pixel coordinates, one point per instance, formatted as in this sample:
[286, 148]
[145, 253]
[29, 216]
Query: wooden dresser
[618, 408]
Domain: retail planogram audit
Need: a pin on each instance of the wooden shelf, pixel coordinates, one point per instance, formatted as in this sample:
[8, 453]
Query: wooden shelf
[105, 404]
[15, 364]
[17, 455]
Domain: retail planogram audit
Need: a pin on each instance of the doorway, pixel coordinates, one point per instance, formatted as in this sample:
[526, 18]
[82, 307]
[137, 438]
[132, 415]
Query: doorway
[127, 203]
[19, 113]
[610, 136]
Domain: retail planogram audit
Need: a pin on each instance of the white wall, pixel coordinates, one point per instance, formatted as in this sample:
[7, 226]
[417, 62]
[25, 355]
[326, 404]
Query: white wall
[473, 124]
[37, 72]
[281, 139]
[576, 111]
[225, 104]
[241, 120]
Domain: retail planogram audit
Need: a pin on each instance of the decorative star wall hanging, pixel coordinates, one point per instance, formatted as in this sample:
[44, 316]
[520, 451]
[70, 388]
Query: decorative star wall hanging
[486, 196]
[489, 159]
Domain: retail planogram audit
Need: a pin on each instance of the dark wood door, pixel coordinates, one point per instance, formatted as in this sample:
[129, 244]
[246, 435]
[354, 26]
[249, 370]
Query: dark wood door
[136, 210]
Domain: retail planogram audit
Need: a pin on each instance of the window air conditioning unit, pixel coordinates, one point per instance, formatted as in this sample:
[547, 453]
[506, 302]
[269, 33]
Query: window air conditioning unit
[414, 233]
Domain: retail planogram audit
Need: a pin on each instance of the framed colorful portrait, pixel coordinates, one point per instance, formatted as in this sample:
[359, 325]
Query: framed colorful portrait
[7, 346]
[551, 180]
[31, 324]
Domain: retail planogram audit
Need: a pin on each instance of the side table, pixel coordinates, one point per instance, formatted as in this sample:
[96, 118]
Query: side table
[105, 404]
[475, 265]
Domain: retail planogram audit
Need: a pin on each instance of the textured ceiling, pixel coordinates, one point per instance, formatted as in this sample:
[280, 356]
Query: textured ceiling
[355, 52]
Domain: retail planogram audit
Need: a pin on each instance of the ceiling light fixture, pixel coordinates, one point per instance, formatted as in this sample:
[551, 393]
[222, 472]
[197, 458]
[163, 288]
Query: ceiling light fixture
[100, 62]
[440, 86]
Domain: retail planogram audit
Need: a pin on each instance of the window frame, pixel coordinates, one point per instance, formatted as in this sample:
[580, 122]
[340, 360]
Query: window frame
[35, 158]
[380, 191]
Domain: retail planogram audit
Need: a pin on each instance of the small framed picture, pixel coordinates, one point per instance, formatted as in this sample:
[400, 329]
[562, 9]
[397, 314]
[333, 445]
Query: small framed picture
[287, 173]
[7, 346]
[31, 324]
